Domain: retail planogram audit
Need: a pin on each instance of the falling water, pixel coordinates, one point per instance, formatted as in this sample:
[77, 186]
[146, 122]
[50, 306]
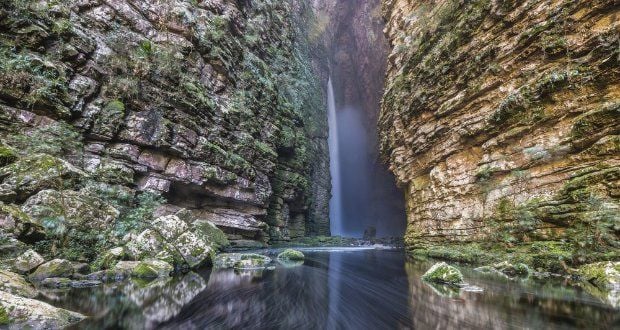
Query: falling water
[335, 204]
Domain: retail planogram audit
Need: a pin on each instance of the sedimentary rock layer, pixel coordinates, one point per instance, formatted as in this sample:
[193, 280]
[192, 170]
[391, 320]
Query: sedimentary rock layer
[502, 118]
[217, 105]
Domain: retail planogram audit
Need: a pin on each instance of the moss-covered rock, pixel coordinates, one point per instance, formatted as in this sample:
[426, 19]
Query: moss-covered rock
[240, 261]
[7, 155]
[109, 258]
[34, 173]
[152, 268]
[16, 284]
[28, 261]
[444, 274]
[170, 240]
[16, 223]
[53, 268]
[290, 254]
[604, 275]
[210, 233]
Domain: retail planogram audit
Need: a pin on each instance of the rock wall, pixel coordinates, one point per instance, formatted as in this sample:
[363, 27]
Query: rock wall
[501, 119]
[216, 105]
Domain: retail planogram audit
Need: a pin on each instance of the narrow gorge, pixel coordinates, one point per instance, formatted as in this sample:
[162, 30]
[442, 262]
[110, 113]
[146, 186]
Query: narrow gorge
[320, 164]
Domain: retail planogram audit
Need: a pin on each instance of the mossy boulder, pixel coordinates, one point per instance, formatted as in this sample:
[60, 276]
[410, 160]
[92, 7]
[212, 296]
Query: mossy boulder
[443, 273]
[506, 268]
[240, 261]
[16, 284]
[37, 172]
[252, 261]
[152, 268]
[169, 239]
[28, 313]
[78, 209]
[53, 268]
[290, 254]
[215, 236]
[28, 261]
[604, 275]
[16, 223]
[109, 258]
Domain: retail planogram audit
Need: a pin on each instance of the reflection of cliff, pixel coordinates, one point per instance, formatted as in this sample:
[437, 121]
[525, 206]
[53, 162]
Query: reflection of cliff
[504, 305]
[133, 305]
[259, 299]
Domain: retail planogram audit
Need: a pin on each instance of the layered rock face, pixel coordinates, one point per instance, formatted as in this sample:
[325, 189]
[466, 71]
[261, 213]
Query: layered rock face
[215, 105]
[501, 119]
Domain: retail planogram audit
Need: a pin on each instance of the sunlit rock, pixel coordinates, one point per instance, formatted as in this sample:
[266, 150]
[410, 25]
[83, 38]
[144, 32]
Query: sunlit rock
[28, 261]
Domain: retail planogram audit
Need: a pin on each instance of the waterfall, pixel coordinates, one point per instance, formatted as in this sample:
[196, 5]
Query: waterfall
[335, 204]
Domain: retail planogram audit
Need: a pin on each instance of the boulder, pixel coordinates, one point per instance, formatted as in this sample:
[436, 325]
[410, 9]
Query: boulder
[444, 274]
[16, 223]
[28, 261]
[169, 239]
[290, 254]
[53, 268]
[240, 261]
[152, 269]
[109, 258]
[16, 284]
[37, 172]
[78, 209]
[23, 312]
[506, 268]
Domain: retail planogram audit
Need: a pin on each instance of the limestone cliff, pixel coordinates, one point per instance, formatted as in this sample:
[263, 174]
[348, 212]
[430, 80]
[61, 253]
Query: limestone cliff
[215, 105]
[501, 119]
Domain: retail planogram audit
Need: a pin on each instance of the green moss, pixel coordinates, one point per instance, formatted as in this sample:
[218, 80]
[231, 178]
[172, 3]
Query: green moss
[7, 155]
[290, 254]
[4, 316]
[144, 271]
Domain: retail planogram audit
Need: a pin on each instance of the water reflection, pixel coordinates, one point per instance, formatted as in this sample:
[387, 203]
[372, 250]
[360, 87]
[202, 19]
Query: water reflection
[364, 289]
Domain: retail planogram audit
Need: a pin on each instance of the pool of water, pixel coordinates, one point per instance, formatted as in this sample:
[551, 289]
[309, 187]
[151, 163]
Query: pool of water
[336, 289]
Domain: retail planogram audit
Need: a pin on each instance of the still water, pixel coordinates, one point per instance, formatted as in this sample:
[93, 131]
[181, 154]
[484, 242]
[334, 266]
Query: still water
[336, 289]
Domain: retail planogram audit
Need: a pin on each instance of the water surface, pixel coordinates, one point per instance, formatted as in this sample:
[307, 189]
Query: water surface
[336, 289]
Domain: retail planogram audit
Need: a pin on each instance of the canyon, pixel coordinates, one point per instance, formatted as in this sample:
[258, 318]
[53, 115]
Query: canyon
[309, 164]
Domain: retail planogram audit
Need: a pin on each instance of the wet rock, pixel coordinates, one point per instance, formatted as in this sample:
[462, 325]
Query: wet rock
[56, 282]
[241, 261]
[290, 254]
[23, 312]
[443, 273]
[53, 268]
[63, 282]
[506, 268]
[16, 284]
